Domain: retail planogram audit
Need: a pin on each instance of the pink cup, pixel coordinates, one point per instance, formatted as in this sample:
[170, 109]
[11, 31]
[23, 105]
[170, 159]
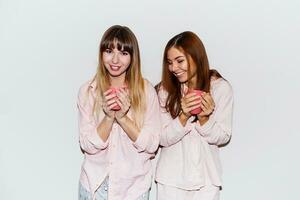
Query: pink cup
[114, 90]
[198, 93]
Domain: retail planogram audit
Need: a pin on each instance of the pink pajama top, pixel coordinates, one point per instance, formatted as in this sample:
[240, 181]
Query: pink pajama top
[127, 163]
[189, 157]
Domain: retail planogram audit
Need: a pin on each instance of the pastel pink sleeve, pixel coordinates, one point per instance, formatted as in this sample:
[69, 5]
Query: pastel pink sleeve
[217, 130]
[148, 139]
[172, 129]
[90, 141]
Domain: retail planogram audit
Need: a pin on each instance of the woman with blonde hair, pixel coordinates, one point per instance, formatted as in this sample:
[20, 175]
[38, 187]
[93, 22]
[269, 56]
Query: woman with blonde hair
[196, 115]
[119, 123]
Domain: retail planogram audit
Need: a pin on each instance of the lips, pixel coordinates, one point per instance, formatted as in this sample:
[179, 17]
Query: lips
[178, 74]
[114, 67]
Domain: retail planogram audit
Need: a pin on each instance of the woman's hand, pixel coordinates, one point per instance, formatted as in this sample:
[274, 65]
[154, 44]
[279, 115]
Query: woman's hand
[109, 102]
[207, 105]
[123, 101]
[190, 102]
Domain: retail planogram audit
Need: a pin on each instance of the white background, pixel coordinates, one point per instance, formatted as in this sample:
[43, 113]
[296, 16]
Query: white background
[48, 48]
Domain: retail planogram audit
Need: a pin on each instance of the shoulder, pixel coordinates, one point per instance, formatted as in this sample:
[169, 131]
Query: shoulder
[86, 88]
[150, 92]
[149, 88]
[162, 95]
[221, 87]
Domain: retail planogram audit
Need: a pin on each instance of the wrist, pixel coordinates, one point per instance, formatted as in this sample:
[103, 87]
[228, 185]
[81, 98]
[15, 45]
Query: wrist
[183, 115]
[121, 119]
[183, 118]
[109, 119]
[203, 119]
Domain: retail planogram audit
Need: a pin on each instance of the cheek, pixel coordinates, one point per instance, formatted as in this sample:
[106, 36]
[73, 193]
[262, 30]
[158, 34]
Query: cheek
[193, 70]
[106, 63]
[184, 66]
[106, 58]
[126, 61]
[170, 67]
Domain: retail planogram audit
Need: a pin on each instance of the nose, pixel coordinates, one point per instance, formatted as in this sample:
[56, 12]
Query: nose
[174, 67]
[115, 58]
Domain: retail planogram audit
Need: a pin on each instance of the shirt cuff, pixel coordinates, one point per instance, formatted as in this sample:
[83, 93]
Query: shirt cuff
[185, 129]
[141, 142]
[204, 129]
[178, 131]
[97, 142]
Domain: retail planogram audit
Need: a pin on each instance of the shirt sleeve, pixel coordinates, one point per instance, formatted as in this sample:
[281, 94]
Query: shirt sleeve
[217, 130]
[148, 139]
[172, 129]
[90, 141]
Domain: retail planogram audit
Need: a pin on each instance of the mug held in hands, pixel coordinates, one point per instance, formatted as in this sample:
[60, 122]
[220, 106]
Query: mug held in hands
[196, 111]
[115, 90]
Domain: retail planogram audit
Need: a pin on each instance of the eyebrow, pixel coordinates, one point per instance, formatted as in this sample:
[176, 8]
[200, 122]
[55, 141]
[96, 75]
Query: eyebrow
[176, 57]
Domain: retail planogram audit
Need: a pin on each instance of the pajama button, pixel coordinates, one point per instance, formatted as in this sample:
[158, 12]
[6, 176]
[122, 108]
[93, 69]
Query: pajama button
[105, 188]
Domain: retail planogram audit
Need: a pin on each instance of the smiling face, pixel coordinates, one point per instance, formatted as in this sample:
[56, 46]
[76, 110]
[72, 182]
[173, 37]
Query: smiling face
[180, 66]
[116, 61]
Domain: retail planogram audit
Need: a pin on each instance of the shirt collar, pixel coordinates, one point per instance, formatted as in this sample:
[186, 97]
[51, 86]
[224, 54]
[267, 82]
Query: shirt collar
[93, 84]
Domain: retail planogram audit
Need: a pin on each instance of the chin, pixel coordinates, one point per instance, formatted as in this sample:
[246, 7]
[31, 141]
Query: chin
[182, 80]
[115, 73]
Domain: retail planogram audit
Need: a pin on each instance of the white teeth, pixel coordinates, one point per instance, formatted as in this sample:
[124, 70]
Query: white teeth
[115, 67]
[178, 74]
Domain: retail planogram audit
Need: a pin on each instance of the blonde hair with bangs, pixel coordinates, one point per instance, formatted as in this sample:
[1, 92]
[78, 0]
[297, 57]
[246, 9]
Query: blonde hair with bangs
[122, 37]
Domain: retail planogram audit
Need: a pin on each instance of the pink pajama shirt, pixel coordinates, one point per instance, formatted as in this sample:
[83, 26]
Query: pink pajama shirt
[127, 163]
[189, 158]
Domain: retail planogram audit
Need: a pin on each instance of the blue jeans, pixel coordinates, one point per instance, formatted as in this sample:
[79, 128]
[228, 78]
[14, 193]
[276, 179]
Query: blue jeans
[101, 193]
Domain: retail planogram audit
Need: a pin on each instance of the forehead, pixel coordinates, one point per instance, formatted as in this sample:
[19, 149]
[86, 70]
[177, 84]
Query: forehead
[174, 53]
[116, 43]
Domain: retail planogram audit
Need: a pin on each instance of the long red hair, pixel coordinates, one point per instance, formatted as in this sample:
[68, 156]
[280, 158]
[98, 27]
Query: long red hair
[192, 47]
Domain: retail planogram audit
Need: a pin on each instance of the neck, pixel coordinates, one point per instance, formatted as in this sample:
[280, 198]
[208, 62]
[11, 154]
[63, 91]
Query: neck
[192, 82]
[117, 81]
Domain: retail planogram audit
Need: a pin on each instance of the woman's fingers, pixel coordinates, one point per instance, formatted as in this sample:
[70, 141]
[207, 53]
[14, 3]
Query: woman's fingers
[191, 97]
[192, 108]
[107, 92]
[111, 106]
[208, 98]
[194, 103]
[123, 97]
[124, 108]
[110, 102]
[207, 105]
[204, 104]
[110, 96]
